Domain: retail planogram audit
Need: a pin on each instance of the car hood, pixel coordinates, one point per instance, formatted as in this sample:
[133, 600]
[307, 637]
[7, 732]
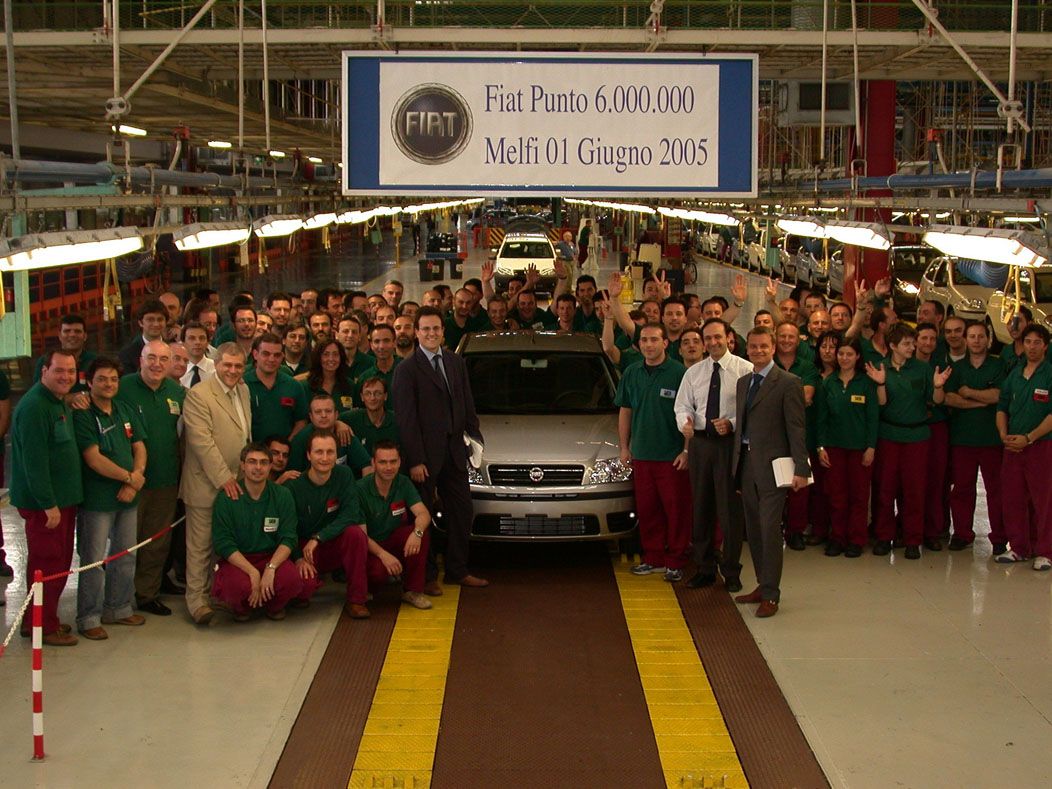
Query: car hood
[549, 439]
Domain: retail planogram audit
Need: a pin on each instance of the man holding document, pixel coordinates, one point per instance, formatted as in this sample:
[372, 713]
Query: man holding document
[769, 443]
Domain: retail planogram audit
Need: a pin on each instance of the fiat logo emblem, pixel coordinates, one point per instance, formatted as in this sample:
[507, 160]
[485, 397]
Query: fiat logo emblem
[431, 123]
[536, 474]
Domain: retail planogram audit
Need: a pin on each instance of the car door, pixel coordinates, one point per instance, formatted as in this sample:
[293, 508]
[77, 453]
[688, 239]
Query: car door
[933, 283]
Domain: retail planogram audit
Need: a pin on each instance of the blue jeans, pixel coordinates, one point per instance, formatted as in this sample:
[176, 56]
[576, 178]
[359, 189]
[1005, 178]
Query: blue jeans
[94, 530]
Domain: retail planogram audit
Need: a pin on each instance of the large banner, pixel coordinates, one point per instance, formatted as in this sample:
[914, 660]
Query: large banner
[500, 124]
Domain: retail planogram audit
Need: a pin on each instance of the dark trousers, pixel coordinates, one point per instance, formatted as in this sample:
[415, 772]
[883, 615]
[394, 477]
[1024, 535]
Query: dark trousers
[937, 498]
[346, 552]
[966, 465]
[156, 510]
[715, 499]
[763, 526]
[414, 568]
[1027, 499]
[664, 510]
[454, 496]
[847, 484]
[901, 468]
[50, 551]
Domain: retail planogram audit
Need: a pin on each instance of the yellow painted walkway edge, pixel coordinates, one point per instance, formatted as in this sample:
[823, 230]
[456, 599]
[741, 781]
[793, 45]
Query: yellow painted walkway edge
[692, 738]
[398, 745]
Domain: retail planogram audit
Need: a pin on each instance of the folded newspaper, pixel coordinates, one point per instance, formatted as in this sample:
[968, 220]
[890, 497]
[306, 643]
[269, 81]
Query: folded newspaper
[785, 470]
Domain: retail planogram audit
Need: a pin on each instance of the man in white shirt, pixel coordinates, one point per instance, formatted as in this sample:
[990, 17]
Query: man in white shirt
[705, 412]
[200, 367]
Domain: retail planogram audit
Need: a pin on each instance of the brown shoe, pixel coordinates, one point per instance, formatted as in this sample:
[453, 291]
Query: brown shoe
[277, 616]
[64, 629]
[135, 620]
[767, 608]
[753, 597]
[203, 615]
[433, 589]
[356, 611]
[470, 580]
[91, 633]
[60, 639]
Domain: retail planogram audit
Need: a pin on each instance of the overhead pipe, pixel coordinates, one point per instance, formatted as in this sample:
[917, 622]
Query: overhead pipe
[34, 171]
[12, 96]
[982, 179]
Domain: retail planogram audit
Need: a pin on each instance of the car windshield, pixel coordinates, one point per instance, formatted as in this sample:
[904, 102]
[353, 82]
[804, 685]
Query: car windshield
[910, 263]
[526, 249]
[541, 382]
[1042, 287]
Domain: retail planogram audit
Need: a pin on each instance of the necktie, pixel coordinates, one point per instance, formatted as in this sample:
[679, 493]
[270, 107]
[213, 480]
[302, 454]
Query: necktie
[754, 387]
[440, 369]
[195, 376]
[712, 407]
[236, 401]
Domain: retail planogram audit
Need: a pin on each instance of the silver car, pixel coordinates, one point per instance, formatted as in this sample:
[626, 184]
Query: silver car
[550, 469]
[946, 283]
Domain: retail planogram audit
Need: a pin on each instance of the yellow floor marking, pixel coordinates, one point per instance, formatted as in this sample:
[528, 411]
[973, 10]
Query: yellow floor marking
[397, 750]
[693, 743]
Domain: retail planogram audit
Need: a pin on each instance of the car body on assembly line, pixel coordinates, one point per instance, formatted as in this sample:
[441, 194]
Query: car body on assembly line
[948, 281]
[550, 468]
[1035, 293]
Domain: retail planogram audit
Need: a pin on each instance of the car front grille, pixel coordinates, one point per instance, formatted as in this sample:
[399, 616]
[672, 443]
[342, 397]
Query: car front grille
[535, 526]
[520, 475]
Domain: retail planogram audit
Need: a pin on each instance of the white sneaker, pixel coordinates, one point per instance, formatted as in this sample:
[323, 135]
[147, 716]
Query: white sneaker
[1009, 557]
[646, 569]
[1042, 563]
[417, 600]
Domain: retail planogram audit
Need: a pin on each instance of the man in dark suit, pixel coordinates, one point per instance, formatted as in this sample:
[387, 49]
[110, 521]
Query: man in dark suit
[153, 318]
[434, 407]
[770, 408]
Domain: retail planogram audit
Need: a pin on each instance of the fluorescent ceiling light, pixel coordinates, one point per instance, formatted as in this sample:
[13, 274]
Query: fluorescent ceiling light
[348, 217]
[1020, 219]
[204, 235]
[129, 131]
[277, 154]
[802, 226]
[994, 245]
[219, 144]
[319, 220]
[277, 225]
[68, 247]
[860, 234]
[314, 159]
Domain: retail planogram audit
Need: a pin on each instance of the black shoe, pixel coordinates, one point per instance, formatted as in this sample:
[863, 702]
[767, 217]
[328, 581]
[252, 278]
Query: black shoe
[795, 542]
[732, 584]
[6, 571]
[701, 580]
[168, 586]
[932, 544]
[155, 607]
[833, 548]
[853, 551]
[913, 551]
[1000, 547]
[959, 543]
[882, 547]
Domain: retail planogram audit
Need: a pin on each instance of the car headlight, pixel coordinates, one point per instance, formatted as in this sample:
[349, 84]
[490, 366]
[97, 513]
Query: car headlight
[908, 287]
[612, 470]
[475, 476]
[969, 305]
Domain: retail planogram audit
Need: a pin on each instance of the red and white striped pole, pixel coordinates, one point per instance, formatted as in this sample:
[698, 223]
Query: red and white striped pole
[38, 665]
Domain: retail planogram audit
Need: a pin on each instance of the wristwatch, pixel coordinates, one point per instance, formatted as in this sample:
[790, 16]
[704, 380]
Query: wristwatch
[418, 533]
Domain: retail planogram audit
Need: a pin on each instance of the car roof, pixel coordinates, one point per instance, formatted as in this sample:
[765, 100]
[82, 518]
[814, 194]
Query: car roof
[525, 340]
[521, 236]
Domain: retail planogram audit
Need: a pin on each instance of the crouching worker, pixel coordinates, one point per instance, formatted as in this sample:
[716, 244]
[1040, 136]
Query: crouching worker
[397, 523]
[331, 534]
[254, 533]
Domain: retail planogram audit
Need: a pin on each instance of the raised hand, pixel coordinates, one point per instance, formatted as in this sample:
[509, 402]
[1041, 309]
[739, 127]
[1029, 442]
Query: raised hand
[614, 285]
[488, 269]
[882, 288]
[533, 276]
[738, 290]
[877, 374]
[941, 377]
[666, 286]
[560, 269]
[771, 290]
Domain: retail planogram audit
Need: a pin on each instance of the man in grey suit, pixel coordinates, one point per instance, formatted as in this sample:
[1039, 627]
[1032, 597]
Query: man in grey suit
[770, 409]
[434, 408]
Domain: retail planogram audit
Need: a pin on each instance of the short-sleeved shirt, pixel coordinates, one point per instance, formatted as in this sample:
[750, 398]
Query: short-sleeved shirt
[45, 461]
[85, 360]
[376, 372]
[353, 455]
[975, 427]
[587, 323]
[871, 354]
[454, 333]
[542, 319]
[303, 366]
[253, 525]
[650, 391]
[629, 356]
[848, 416]
[159, 412]
[324, 511]
[384, 514]
[275, 410]
[114, 434]
[368, 433]
[343, 395]
[1011, 358]
[1026, 401]
[805, 370]
[909, 393]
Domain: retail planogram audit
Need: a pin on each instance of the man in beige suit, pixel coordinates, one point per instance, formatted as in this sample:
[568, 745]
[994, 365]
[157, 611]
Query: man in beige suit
[217, 419]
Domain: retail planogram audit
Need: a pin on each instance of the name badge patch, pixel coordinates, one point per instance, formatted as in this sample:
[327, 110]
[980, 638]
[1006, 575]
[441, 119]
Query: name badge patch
[173, 407]
[858, 398]
[287, 402]
[1041, 395]
[270, 525]
[128, 429]
[332, 505]
[398, 508]
[669, 393]
[346, 401]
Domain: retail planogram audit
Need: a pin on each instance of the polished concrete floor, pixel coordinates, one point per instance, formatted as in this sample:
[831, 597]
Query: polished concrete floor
[916, 674]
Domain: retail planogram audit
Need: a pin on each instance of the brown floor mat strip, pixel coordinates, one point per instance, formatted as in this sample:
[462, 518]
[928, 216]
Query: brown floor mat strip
[324, 739]
[543, 688]
[770, 745]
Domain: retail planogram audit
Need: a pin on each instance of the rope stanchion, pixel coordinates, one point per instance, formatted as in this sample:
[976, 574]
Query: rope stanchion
[118, 555]
[38, 665]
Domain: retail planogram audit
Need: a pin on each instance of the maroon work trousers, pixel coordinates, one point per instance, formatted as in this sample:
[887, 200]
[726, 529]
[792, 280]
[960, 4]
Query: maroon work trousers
[965, 464]
[901, 471]
[414, 568]
[847, 486]
[665, 511]
[232, 585]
